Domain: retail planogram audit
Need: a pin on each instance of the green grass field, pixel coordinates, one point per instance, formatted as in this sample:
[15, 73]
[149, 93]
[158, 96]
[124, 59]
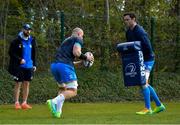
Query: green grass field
[91, 113]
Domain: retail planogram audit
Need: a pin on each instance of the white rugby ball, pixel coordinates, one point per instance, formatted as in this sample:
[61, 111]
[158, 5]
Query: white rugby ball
[86, 62]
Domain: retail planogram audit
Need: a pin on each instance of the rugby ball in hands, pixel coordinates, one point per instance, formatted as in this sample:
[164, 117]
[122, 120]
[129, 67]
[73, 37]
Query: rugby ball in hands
[86, 62]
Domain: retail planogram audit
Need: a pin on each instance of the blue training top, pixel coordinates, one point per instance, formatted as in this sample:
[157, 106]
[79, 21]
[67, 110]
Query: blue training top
[65, 51]
[139, 34]
[27, 48]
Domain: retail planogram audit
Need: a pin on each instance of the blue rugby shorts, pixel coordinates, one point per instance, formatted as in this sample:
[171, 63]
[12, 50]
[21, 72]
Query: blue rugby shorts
[149, 65]
[63, 73]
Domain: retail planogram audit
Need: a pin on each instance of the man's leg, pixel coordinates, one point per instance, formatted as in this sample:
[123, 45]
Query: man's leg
[16, 95]
[159, 106]
[25, 87]
[68, 91]
[146, 95]
[154, 96]
[62, 72]
[59, 100]
[67, 94]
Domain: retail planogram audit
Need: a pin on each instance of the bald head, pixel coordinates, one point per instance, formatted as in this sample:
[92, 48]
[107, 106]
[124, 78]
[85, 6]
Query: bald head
[77, 32]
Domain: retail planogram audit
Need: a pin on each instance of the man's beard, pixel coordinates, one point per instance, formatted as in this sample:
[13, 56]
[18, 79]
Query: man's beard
[26, 34]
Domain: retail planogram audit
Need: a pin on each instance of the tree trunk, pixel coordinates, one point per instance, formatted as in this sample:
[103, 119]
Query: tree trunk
[177, 52]
[105, 45]
[4, 33]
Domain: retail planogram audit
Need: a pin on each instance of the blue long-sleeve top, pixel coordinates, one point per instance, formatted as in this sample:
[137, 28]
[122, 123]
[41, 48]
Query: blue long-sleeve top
[139, 34]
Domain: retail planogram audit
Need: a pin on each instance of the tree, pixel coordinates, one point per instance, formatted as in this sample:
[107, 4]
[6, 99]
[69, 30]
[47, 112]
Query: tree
[105, 43]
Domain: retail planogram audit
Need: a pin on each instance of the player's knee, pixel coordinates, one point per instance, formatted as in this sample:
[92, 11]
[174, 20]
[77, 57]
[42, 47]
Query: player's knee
[73, 91]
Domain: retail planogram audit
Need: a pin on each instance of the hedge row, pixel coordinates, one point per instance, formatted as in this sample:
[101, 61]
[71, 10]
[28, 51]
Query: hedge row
[94, 86]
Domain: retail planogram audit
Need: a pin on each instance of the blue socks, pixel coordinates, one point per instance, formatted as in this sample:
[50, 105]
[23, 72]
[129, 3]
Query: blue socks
[154, 96]
[146, 94]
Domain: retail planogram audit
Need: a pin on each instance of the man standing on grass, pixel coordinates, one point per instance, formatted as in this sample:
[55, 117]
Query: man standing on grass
[136, 33]
[22, 64]
[64, 72]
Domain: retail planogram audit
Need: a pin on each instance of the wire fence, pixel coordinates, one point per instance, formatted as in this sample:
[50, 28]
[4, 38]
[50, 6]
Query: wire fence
[48, 35]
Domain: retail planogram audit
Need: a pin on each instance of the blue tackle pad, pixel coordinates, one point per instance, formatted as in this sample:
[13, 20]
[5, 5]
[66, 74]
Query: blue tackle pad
[133, 63]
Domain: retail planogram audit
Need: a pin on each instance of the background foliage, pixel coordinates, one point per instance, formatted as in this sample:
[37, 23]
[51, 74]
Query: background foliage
[104, 81]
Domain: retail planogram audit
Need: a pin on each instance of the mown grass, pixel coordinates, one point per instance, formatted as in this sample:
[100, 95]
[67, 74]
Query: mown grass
[91, 113]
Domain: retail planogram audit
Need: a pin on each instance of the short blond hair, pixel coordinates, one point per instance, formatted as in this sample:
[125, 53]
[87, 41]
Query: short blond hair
[76, 31]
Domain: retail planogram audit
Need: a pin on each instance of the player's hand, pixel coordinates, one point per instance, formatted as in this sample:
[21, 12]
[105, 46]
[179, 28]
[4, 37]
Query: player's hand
[77, 62]
[22, 61]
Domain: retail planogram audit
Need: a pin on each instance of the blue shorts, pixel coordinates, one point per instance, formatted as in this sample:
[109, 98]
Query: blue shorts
[63, 73]
[149, 65]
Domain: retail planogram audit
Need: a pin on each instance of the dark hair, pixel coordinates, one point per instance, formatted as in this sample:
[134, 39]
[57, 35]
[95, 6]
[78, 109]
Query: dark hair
[132, 15]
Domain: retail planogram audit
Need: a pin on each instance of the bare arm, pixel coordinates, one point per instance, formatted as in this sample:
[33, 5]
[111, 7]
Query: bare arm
[77, 53]
[76, 50]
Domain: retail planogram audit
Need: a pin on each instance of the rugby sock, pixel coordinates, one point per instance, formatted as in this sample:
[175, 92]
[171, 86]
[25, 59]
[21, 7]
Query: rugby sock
[54, 100]
[154, 96]
[60, 102]
[146, 94]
